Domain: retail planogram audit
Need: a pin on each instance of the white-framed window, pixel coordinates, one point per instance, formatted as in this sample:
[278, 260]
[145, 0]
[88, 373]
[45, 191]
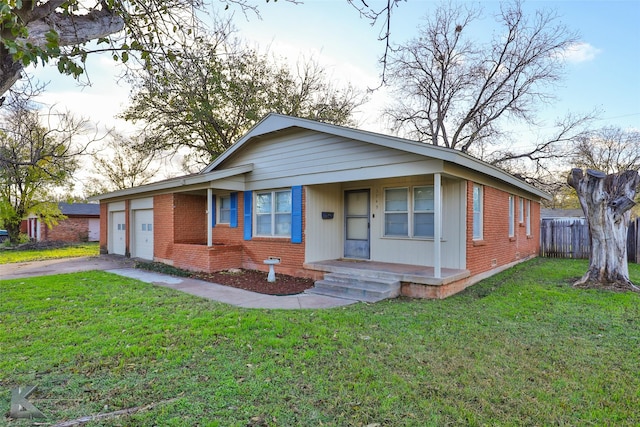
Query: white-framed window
[273, 213]
[224, 209]
[512, 218]
[396, 212]
[520, 210]
[528, 224]
[477, 212]
[409, 212]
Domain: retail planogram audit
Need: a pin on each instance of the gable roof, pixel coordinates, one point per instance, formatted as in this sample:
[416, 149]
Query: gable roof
[273, 123]
[79, 209]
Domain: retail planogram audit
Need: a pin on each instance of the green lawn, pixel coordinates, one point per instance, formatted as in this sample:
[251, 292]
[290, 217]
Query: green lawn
[77, 250]
[521, 348]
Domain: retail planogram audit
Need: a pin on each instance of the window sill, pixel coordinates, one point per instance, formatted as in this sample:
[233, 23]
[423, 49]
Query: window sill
[512, 238]
[272, 238]
[479, 243]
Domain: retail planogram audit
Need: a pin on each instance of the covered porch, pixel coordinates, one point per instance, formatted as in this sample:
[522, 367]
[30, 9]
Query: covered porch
[415, 280]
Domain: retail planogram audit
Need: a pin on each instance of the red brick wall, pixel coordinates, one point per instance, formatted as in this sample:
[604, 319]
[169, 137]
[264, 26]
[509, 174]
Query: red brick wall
[163, 226]
[104, 230]
[497, 248]
[72, 229]
[190, 219]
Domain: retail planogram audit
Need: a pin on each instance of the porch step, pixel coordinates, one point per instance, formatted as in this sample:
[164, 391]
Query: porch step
[356, 287]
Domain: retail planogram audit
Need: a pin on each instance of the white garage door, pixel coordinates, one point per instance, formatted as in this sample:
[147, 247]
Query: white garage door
[117, 236]
[94, 229]
[143, 234]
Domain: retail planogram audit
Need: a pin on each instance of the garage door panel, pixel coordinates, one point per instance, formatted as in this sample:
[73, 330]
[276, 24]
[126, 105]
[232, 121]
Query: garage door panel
[143, 233]
[117, 233]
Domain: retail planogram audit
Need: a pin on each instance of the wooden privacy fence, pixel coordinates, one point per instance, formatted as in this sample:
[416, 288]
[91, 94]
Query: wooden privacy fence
[569, 238]
[564, 238]
[633, 241]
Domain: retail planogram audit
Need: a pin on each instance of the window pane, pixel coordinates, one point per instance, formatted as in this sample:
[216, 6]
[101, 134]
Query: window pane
[263, 203]
[476, 198]
[521, 209]
[283, 225]
[477, 212]
[225, 210]
[263, 225]
[511, 216]
[396, 224]
[477, 231]
[396, 199]
[149, 227]
[423, 198]
[225, 202]
[423, 225]
[283, 201]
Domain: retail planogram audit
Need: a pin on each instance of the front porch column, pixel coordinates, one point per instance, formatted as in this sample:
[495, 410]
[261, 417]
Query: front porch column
[209, 217]
[437, 226]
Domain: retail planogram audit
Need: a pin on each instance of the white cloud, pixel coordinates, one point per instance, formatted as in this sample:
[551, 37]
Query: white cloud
[581, 52]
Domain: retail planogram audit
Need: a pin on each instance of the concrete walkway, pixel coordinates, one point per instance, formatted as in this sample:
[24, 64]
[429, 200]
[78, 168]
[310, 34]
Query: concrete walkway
[124, 267]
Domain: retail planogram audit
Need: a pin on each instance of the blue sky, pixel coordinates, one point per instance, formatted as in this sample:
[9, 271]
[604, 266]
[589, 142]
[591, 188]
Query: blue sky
[603, 73]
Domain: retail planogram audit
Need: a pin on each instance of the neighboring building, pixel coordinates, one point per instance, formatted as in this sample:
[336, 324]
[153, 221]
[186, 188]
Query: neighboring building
[316, 195]
[81, 225]
[561, 213]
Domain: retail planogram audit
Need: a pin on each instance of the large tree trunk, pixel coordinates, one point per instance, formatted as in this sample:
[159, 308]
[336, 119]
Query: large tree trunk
[606, 201]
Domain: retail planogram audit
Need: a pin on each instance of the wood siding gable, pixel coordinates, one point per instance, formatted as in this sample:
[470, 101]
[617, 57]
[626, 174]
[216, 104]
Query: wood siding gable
[305, 157]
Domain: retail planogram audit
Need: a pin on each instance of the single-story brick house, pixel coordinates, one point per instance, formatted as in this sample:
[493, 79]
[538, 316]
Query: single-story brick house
[82, 224]
[313, 194]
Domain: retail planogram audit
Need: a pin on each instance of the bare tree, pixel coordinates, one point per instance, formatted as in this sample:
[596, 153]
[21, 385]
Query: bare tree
[606, 201]
[38, 153]
[119, 165]
[455, 92]
[609, 149]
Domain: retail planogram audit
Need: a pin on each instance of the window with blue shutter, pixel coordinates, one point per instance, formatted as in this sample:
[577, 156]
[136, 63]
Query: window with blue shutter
[233, 221]
[296, 214]
[213, 211]
[248, 204]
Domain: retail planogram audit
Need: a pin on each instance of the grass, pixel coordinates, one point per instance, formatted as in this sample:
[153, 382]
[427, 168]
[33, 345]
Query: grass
[8, 256]
[520, 348]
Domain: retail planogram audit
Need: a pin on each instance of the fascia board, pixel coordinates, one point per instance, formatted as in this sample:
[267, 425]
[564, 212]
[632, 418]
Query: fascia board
[176, 183]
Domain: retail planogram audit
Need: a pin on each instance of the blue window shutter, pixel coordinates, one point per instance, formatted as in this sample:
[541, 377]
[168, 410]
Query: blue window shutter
[233, 221]
[248, 203]
[296, 214]
[213, 211]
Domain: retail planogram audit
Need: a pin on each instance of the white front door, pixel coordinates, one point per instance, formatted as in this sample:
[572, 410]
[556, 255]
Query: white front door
[117, 237]
[143, 234]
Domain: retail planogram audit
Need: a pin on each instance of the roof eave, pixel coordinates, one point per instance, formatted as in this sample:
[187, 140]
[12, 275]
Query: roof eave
[175, 183]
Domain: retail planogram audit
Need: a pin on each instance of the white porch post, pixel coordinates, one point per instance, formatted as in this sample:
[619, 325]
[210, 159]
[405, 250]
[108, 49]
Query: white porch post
[437, 226]
[209, 219]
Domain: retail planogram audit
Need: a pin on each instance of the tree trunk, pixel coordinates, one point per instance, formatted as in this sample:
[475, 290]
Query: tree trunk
[606, 201]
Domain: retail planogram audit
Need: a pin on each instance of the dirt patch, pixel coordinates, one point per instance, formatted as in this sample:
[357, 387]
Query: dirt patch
[256, 281]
